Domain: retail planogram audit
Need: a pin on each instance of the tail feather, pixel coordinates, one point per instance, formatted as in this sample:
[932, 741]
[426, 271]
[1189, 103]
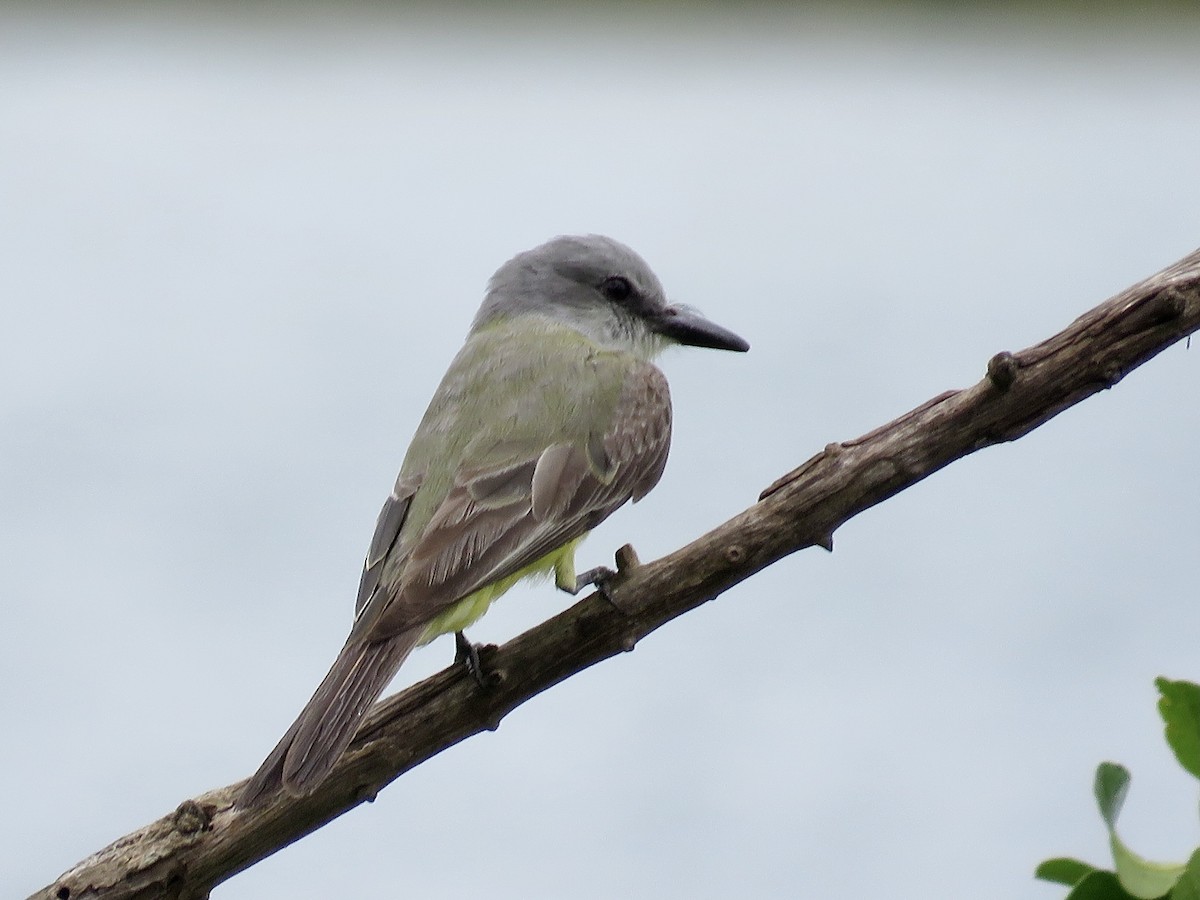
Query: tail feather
[327, 724]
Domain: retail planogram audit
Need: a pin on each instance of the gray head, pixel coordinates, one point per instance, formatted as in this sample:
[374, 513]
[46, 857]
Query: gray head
[602, 289]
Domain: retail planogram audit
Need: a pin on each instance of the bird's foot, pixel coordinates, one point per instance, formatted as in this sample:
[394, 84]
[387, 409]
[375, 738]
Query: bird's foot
[604, 579]
[467, 654]
[598, 577]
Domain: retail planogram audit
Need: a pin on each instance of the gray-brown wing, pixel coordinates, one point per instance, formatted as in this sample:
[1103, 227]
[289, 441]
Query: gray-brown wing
[496, 522]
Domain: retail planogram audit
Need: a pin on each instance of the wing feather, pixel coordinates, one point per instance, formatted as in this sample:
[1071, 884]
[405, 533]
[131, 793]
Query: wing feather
[383, 542]
[555, 479]
[501, 486]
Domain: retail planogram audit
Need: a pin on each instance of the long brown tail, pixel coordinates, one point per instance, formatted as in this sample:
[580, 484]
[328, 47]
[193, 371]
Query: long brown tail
[325, 727]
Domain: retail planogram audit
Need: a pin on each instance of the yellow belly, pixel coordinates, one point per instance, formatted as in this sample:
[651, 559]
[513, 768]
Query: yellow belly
[470, 609]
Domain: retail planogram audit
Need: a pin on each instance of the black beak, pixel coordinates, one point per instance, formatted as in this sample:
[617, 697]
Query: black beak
[689, 327]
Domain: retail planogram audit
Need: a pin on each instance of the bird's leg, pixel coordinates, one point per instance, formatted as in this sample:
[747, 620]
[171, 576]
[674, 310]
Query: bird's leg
[468, 654]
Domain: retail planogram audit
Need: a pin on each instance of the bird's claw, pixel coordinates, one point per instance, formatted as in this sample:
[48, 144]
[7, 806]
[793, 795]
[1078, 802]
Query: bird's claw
[604, 579]
[467, 654]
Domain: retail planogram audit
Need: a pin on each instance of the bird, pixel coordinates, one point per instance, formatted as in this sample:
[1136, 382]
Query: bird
[550, 417]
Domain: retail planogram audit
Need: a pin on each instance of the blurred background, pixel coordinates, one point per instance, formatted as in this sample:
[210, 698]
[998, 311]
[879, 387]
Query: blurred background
[238, 247]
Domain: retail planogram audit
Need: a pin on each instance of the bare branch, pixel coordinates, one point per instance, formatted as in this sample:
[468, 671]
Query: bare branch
[204, 841]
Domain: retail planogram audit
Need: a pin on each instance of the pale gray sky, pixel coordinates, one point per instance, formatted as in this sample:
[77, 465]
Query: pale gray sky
[237, 252]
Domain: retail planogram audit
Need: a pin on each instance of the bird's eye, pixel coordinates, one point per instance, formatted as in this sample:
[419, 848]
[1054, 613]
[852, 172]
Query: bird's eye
[616, 289]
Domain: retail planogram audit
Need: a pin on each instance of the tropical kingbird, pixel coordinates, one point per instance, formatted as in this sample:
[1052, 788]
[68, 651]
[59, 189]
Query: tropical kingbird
[549, 418]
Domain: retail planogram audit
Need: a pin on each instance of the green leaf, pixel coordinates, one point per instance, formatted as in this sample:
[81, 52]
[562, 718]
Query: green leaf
[1141, 877]
[1099, 886]
[1188, 886]
[1179, 706]
[1063, 870]
[1112, 784]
